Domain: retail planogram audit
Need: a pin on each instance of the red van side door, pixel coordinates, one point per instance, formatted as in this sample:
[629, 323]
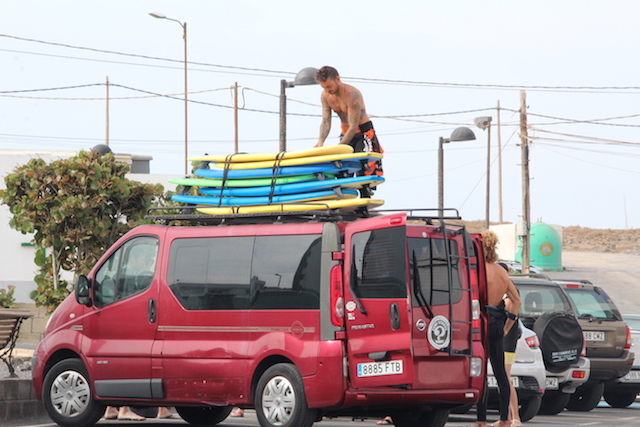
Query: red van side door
[377, 302]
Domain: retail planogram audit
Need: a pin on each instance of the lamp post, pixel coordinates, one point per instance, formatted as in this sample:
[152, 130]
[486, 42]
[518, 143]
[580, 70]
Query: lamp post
[485, 123]
[186, 102]
[458, 134]
[304, 77]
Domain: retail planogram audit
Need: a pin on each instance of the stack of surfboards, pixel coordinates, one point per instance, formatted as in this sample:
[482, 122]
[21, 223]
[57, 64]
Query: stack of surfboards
[285, 181]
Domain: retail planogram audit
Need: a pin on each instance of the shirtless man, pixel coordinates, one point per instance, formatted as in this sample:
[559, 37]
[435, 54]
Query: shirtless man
[500, 321]
[347, 102]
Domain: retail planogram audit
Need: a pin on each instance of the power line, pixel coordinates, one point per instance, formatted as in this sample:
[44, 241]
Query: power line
[362, 79]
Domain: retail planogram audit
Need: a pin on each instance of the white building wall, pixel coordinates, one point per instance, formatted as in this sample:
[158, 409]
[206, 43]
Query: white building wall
[17, 267]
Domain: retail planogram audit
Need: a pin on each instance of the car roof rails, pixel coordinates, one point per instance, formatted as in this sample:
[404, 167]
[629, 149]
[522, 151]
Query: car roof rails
[583, 281]
[532, 276]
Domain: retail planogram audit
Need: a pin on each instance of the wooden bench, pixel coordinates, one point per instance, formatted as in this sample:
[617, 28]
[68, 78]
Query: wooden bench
[10, 322]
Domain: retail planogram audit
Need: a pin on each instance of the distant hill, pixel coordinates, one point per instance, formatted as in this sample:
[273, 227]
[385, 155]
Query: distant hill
[580, 239]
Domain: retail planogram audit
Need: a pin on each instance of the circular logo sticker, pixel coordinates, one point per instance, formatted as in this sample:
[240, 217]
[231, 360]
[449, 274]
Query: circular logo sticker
[351, 305]
[439, 332]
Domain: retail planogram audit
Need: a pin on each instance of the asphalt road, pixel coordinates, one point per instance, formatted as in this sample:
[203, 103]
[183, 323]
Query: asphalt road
[602, 416]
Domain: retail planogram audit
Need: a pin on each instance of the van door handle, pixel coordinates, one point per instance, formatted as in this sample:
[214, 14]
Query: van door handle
[394, 316]
[152, 310]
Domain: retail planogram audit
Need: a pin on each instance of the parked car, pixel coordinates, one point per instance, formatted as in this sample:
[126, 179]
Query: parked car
[607, 337]
[546, 310]
[623, 392]
[527, 375]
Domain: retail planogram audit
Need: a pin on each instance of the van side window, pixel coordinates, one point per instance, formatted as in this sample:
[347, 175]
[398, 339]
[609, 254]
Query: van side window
[128, 271]
[431, 258]
[379, 263]
[290, 280]
[225, 273]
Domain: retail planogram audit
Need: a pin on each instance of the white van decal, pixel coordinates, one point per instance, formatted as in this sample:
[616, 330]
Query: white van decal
[439, 333]
[421, 324]
[365, 326]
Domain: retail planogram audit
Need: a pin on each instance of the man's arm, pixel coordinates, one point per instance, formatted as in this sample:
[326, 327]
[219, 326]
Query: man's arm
[325, 124]
[355, 107]
[514, 303]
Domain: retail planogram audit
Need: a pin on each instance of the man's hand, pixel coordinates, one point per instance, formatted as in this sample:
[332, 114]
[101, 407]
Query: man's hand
[318, 144]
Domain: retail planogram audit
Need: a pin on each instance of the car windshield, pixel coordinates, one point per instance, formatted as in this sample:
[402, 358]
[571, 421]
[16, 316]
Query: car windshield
[592, 302]
[537, 300]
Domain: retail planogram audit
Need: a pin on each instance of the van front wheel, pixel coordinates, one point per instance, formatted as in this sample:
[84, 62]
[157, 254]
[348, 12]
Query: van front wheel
[66, 395]
[280, 399]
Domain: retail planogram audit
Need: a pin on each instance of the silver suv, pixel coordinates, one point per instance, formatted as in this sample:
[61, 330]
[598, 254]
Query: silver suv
[547, 310]
[607, 336]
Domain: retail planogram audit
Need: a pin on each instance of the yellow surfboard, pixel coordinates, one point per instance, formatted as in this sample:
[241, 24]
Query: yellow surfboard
[369, 157]
[259, 157]
[342, 204]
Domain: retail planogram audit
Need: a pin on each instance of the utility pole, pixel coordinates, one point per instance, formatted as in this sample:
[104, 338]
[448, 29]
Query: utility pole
[235, 117]
[107, 120]
[499, 167]
[524, 144]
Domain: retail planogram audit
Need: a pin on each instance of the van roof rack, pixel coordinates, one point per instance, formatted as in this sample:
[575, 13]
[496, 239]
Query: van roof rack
[188, 214]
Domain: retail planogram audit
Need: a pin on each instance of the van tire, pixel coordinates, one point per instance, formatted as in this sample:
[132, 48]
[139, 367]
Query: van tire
[204, 415]
[586, 397]
[553, 402]
[280, 399]
[417, 417]
[74, 406]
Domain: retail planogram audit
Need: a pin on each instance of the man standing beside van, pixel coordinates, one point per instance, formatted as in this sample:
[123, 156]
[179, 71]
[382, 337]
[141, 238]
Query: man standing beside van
[348, 104]
[500, 321]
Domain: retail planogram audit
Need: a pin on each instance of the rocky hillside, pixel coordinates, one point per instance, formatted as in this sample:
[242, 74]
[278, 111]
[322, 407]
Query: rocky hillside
[579, 239]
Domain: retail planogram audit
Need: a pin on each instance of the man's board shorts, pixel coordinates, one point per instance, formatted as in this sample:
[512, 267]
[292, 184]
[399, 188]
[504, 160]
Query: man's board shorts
[366, 140]
[510, 341]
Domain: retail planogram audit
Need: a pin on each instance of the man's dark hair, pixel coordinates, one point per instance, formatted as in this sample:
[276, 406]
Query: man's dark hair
[325, 73]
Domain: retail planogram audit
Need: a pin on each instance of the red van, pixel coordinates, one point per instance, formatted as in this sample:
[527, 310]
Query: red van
[298, 318]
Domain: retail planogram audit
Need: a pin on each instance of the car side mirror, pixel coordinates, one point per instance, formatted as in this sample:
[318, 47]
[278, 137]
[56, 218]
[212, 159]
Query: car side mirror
[82, 291]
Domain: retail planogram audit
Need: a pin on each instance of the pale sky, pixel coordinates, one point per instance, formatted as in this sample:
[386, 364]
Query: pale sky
[424, 68]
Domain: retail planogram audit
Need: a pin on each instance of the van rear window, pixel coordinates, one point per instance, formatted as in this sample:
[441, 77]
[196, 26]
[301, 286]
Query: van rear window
[379, 263]
[263, 272]
[428, 262]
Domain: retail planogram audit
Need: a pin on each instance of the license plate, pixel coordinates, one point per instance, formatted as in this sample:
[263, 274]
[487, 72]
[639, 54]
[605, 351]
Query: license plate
[593, 336]
[374, 369]
[492, 382]
[632, 376]
[551, 383]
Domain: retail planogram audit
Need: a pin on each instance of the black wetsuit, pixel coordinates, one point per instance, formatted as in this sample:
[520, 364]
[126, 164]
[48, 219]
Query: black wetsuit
[497, 316]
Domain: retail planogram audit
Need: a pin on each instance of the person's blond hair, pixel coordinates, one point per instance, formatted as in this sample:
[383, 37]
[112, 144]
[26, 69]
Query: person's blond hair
[489, 243]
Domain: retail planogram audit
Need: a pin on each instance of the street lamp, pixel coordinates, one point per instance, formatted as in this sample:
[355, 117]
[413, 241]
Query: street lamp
[458, 134]
[485, 123]
[306, 76]
[186, 114]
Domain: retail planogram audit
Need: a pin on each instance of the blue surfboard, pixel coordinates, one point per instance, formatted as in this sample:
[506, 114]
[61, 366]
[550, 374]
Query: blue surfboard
[298, 187]
[330, 168]
[264, 200]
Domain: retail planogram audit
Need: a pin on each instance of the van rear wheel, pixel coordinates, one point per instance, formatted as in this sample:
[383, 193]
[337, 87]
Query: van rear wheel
[207, 415]
[410, 417]
[280, 399]
[66, 395]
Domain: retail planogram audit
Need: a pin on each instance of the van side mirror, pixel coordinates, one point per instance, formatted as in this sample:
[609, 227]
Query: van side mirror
[82, 290]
